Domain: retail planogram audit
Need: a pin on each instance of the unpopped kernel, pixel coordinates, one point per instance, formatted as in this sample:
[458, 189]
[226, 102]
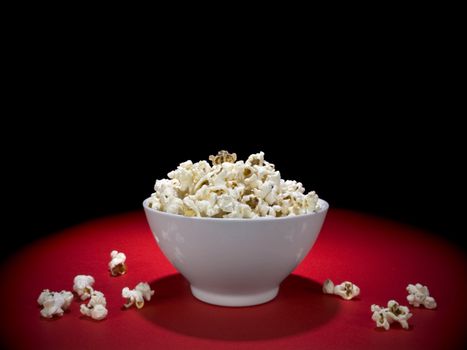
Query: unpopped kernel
[231, 189]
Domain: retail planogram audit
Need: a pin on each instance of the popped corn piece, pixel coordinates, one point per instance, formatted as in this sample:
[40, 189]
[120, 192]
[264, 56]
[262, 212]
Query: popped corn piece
[399, 313]
[96, 307]
[430, 303]
[82, 285]
[384, 317]
[145, 290]
[136, 296]
[379, 316]
[346, 290]
[256, 159]
[420, 295]
[117, 264]
[222, 157]
[97, 298]
[328, 287]
[132, 296]
[99, 312]
[53, 303]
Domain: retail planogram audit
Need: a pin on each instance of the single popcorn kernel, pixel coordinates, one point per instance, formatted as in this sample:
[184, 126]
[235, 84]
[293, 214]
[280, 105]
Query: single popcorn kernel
[136, 296]
[222, 157]
[53, 303]
[346, 290]
[117, 265]
[96, 307]
[252, 202]
[420, 295]
[82, 285]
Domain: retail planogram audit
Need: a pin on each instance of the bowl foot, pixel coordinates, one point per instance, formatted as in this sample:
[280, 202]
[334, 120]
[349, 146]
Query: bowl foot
[234, 300]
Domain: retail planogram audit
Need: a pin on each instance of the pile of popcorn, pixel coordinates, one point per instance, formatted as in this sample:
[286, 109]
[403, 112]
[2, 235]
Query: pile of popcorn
[394, 312]
[231, 189]
[55, 303]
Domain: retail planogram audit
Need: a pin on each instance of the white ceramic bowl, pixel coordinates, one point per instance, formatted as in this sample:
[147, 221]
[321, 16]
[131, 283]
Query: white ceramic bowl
[235, 262]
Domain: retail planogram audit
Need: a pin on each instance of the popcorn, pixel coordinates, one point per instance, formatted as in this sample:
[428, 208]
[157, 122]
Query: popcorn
[82, 285]
[53, 303]
[136, 296]
[96, 307]
[98, 312]
[231, 189]
[346, 290]
[328, 287]
[117, 265]
[379, 316]
[420, 295]
[394, 312]
[222, 157]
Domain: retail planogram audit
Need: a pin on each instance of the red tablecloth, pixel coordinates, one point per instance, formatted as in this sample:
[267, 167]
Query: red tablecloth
[380, 256]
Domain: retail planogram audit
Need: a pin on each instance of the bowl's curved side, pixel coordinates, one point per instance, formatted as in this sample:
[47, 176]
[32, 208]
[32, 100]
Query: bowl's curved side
[235, 257]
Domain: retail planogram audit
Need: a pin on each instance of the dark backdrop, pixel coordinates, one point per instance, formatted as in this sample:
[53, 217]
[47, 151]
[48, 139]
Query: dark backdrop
[78, 169]
[367, 122]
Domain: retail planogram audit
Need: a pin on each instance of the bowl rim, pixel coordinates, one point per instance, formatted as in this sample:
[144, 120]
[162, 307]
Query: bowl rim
[324, 206]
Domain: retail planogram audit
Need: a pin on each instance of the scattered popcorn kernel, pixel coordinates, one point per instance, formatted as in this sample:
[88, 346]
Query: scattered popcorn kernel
[399, 313]
[346, 290]
[222, 157]
[420, 295]
[328, 287]
[117, 264]
[379, 316]
[145, 290]
[98, 312]
[53, 303]
[136, 296]
[96, 307]
[231, 189]
[393, 312]
[430, 303]
[82, 285]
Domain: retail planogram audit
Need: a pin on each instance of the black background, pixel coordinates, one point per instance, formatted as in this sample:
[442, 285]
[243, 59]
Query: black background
[67, 174]
[370, 125]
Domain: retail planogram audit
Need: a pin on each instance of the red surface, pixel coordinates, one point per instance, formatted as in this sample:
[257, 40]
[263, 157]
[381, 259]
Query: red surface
[381, 257]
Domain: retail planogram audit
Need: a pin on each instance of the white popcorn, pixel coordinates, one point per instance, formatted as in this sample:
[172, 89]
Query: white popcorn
[97, 298]
[53, 303]
[145, 290]
[393, 312]
[420, 295]
[136, 296]
[117, 265]
[231, 189]
[96, 307]
[346, 290]
[328, 287]
[99, 312]
[379, 316]
[82, 285]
